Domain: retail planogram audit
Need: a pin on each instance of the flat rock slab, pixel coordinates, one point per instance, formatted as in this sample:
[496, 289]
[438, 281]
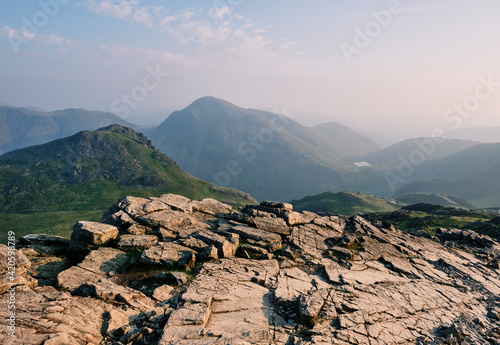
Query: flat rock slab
[255, 234]
[223, 303]
[136, 242]
[88, 235]
[96, 265]
[165, 253]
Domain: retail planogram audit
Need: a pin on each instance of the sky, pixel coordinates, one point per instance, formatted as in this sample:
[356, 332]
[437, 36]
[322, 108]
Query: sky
[411, 67]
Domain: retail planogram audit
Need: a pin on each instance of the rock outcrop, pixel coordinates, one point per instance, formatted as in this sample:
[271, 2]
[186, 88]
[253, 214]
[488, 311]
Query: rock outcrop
[170, 270]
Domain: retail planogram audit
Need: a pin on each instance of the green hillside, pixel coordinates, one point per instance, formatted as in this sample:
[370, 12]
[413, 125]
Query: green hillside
[435, 199]
[347, 203]
[47, 188]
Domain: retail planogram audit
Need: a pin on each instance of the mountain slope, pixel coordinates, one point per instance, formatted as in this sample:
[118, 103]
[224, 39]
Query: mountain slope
[346, 203]
[435, 199]
[90, 169]
[391, 155]
[262, 153]
[343, 141]
[471, 174]
[22, 127]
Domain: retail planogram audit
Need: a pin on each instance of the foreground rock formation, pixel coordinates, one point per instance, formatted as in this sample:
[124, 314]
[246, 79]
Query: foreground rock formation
[170, 270]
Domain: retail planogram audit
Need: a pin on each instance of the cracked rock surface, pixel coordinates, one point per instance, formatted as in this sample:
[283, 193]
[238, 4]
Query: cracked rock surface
[169, 270]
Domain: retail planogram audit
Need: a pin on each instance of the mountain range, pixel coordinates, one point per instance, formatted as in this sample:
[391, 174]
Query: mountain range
[267, 155]
[23, 127]
[272, 156]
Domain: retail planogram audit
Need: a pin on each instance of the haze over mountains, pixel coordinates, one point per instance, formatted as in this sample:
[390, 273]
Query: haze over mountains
[265, 154]
[23, 127]
[272, 156]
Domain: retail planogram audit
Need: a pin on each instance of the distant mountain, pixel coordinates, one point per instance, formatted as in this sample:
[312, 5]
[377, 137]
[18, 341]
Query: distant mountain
[390, 156]
[90, 170]
[342, 141]
[435, 199]
[311, 119]
[22, 127]
[480, 134]
[346, 203]
[34, 108]
[267, 155]
[472, 174]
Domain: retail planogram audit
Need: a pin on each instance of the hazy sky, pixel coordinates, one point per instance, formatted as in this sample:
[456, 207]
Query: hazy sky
[380, 65]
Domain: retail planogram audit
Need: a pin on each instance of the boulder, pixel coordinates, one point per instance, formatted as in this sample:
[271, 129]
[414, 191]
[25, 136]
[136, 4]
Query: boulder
[164, 253]
[179, 278]
[45, 244]
[89, 235]
[136, 242]
[96, 266]
[226, 248]
[211, 207]
[163, 293]
[255, 234]
[15, 273]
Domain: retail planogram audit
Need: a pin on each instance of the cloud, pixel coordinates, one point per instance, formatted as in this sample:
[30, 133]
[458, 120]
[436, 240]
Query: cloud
[127, 10]
[219, 13]
[25, 35]
[217, 27]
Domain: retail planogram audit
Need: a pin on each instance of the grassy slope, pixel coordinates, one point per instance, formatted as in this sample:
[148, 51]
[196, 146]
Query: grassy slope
[413, 221]
[347, 203]
[41, 196]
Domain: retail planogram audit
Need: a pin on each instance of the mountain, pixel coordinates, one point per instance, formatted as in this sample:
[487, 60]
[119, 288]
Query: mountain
[346, 203]
[342, 141]
[480, 134]
[90, 170]
[430, 148]
[435, 199]
[22, 127]
[267, 155]
[471, 174]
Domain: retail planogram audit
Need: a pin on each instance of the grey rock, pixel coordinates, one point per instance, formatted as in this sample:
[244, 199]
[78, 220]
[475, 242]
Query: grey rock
[255, 234]
[90, 235]
[165, 253]
[179, 278]
[226, 248]
[208, 253]
[45, 244]
[136, 242]
[163, 293]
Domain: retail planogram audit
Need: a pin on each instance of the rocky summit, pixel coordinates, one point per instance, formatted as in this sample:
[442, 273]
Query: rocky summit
[170, 270]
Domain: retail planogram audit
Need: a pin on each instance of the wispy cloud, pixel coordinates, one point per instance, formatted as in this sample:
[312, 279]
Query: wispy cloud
[25, 35]
[128, 10]
[219, 27]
